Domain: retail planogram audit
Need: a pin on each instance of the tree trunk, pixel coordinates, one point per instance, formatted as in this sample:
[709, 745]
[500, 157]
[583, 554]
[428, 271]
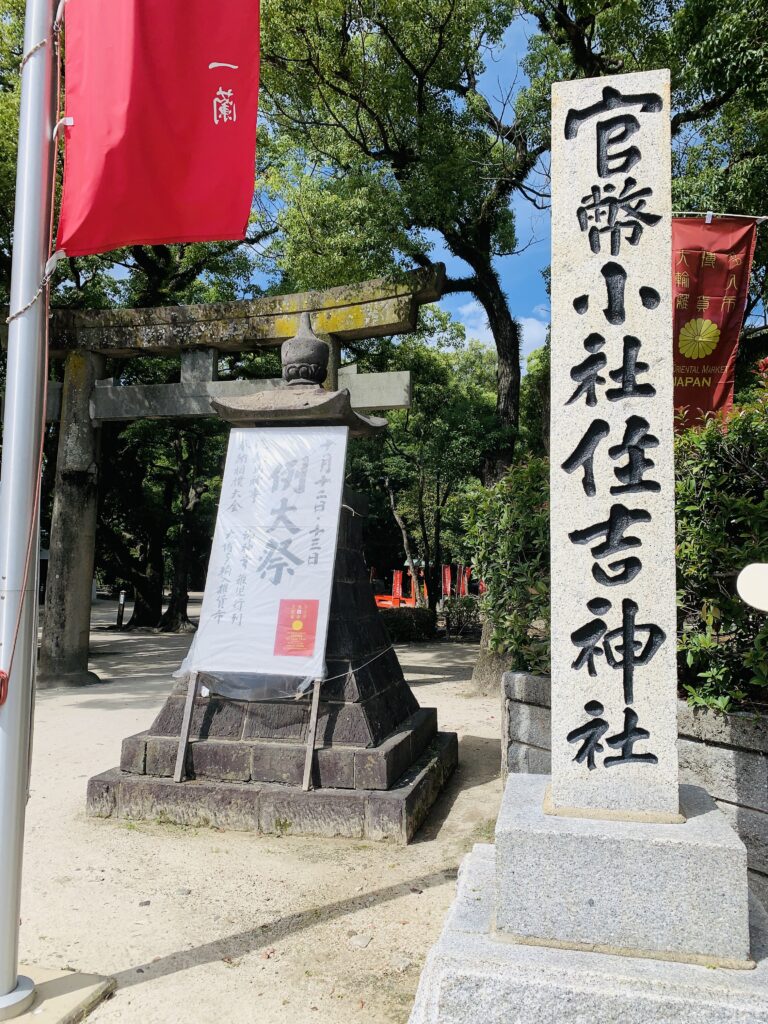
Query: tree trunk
[486, 288]
[176, 618]
[406, 542]
[425, 549]
[148, 586]
[435, 582]
[506, 334]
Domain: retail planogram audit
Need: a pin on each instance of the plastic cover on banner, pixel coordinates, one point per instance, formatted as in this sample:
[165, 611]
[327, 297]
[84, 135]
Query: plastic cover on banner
[264, 620]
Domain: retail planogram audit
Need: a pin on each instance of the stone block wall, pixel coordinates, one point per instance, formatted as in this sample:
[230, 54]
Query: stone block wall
[727, 755]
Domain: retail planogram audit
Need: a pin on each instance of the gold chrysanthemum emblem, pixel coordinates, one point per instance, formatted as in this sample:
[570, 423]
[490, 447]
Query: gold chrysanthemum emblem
[698, 338]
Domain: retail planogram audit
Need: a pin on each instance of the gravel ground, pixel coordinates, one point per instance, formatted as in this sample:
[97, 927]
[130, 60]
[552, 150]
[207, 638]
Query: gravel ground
[199, 925]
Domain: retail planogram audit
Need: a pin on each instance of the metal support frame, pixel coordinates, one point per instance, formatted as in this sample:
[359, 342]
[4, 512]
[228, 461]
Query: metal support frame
[20, 484]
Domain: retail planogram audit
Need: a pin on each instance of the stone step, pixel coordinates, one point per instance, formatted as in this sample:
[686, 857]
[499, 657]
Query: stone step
[395, 814]
[260, 760]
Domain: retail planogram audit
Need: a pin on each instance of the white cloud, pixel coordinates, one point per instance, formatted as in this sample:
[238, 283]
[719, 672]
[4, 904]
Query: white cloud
[534, 333]
[534, 327]
[472, 315]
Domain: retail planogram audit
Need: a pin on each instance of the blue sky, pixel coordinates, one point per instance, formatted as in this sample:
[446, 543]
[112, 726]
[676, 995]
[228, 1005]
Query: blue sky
[520, 274]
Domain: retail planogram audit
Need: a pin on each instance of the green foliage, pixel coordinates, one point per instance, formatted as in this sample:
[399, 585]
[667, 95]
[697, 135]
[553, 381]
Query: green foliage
[462, 616]
[722, 525]
[717, 55]
[435, 449]
[380, 98]
[534, 402]
[410, 625]
[508, 533]
[713, 52]
[384, 146]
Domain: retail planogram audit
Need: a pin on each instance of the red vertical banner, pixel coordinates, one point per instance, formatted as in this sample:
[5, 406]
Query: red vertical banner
[461, 582]
[397, 583]
[711, 264]
[446, 581]
[467, 575]
[161, 100]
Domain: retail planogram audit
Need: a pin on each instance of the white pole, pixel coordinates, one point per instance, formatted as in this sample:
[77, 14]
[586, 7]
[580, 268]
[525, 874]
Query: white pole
[20, 482]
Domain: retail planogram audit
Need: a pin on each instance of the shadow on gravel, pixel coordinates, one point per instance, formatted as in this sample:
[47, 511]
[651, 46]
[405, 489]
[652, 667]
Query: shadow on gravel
[232, 946]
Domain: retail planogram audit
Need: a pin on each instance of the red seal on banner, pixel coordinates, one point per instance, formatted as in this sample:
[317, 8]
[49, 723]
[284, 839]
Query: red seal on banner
[296, 628]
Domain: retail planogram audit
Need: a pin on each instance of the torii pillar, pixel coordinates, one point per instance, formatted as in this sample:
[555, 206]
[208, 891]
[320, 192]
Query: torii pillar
[67, 616]
[197, 334]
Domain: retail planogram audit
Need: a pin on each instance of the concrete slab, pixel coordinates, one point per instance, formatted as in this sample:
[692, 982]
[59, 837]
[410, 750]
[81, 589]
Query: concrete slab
[472, 976]
[63, 997]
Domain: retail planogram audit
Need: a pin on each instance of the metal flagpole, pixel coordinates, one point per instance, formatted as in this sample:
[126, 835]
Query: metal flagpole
[20, 479]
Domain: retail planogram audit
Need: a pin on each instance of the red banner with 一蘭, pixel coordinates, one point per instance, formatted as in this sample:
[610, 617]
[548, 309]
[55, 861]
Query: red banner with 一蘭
[711, 264]
[446, 581]
[161, 106]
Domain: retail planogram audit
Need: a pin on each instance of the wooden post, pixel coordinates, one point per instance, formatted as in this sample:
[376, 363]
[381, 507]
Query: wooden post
[311, 737]
[186, 725]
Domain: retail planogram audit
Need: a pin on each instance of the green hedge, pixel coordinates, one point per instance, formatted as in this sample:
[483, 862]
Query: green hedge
[722, 525]
[462, 616]
[409, 625]
[508, 533]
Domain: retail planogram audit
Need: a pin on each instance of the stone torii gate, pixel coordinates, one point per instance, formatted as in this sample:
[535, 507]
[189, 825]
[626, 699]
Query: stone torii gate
[198, 334]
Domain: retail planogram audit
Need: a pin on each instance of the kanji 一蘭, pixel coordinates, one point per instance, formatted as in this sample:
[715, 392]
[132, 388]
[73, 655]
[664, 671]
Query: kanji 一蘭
[224, 107]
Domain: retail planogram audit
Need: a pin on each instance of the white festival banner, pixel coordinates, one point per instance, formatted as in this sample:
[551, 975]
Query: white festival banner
[264, 619]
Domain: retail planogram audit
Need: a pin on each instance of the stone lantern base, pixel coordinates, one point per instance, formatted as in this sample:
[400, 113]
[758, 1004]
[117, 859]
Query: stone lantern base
[379, 762]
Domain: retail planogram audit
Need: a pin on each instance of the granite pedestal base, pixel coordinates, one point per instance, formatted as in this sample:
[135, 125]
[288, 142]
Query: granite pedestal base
[677, 891]
[475, 976]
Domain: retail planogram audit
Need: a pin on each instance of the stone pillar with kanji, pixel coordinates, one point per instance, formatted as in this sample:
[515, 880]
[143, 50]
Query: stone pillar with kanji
[610, 885]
